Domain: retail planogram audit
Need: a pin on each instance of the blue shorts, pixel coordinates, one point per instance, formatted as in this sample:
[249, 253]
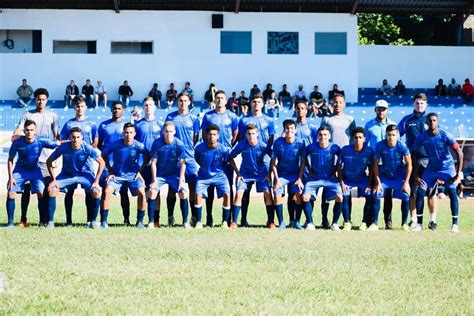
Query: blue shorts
[69, 183]
[219, 181]
[431, 177]
[22, 176]
[360, 185]
[331, 187]
[290, 182]
[133, 185]
[262, 185]
[172, 181]
[395, 184]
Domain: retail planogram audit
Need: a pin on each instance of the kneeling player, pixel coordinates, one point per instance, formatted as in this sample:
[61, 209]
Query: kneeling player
[77, 169]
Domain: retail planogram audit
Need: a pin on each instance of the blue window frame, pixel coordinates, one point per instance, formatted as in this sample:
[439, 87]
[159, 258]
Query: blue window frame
[284, 43]
[326, 43]
[236, 42]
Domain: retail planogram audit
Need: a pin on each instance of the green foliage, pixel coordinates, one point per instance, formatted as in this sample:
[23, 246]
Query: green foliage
[379, 29]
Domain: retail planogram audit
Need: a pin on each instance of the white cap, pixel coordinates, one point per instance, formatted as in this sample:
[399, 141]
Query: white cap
[381, 104]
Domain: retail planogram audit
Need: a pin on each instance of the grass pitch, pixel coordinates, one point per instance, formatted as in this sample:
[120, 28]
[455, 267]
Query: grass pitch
[245, 271]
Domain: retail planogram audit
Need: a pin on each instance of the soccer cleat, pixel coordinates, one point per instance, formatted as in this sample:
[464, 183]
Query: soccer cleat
[50, 224]
[244, 223]
[209, 223]
[282, 226]
[187, 226]
[10, 226]
[171, 221]
[140, 225]
[94, 225]
[224, 225]
[455, 228]
[151, 225]
[347, 226]
[412, 225]
[297, 225]
[405, 228]
[198, 225]
[373, 228]
[418, 228]
[310, 226]
[335, 227]
[271, 226]
[432, 226]
[363, 226]
[68, 225]
[126, 222]
[233, 225]
[157, 224]
[104, 225]
[325, 225]
[292, 224]
[193, 221]
[23, 224]
[388, 225]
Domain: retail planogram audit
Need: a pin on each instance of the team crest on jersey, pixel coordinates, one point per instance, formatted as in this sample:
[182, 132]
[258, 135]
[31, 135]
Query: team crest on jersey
[87, 129]
[156, 129]
[189, 124]
[425, 126]
[226, 122]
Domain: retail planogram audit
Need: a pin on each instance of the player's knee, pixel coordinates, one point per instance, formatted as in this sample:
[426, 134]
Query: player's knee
[95, 193]
[338, 198]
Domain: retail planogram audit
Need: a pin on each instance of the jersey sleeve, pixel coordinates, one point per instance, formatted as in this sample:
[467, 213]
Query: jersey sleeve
[235, 123]
[63, 135]
[404, 149]
[94, 132]
[341, 155]
[237, 150]
[92, 152]
[241, 128]
[401, 126]
[181, 153]
[57, 153]
[378, 150]
[13, 149]
[196, 125]
[449, 139]
[204, 123]
[48, 143]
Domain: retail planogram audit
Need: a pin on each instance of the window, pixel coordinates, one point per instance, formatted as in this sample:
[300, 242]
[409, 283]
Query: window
[282, 43]
[132, 47]
[330, 43]
[74, 47]
[236, 42]
[20, 41]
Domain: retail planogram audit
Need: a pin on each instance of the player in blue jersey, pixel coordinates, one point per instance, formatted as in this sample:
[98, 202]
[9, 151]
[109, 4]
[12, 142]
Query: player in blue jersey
[148, 130]
[212, 156]
[125, 171]
[187, 130]
[437, 144]
[90, 136]
[287, 154]
[109, 132]
[168, 166]
[321, 157]
[392, 170]
[78, 157]
[266, 133]
[252, 170]
[228, 123]
[352, 165]
[28, 148]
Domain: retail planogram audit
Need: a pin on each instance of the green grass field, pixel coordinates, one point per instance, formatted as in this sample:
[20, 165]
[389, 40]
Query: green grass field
[245, 271]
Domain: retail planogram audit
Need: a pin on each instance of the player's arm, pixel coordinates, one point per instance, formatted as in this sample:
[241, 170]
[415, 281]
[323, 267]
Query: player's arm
[19, 129]
[182, 173]
[100, 169]
[49, 164]
[95, 142]
[107, 165]
[236, 170]
[153, 171]
[195, 138]
[299, 181]
[270, 140]
[378, 183]
[146, 160]
[459, 157]
[11, 181]
[409, 169]
[273, 170]
[339, 177]
[235, 137]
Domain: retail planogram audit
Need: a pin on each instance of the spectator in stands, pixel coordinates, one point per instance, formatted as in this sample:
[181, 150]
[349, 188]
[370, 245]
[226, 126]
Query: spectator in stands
[467, 91]
[272, 106]
[267, 93]
[125, 92]
[187, 89]
[25, 94]
[385, 89]
[320, 108]
[71, 92]
[254, 91]
[100, 94]
[400, 88]
[210, 96]
[88, 93]
[315, 94]
[441, 90]
[299, 95]
[233, 104]
[454, 89]
[284, 96]
[171, 95]
[155, 93]
[243, 103]
[335, 91]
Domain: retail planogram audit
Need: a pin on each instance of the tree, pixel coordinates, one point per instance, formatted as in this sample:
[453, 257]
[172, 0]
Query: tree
[374, 28]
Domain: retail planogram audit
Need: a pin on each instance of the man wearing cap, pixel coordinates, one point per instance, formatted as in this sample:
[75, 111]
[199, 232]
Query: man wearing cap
[375, 132]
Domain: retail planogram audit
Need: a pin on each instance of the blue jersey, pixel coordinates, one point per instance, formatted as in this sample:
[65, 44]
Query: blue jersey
[322, 160]
[306, 133]
[355, 163]
[437, 148]
[126, 159]
[110, 131]
[265, 126]
[168, 157]
[227, 123]
[289, 157]
[29, 153]
[211, 160]
[375, 131]
[148, 131]
[76, 162]
[253, 165]
[412, 126]
[391, 157]
[88, 128]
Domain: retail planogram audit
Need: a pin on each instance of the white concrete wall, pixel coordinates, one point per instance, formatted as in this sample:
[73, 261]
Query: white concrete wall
[186, 49]
[417, 66]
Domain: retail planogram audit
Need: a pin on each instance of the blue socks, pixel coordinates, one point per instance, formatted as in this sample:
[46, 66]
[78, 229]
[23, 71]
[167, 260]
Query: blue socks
[68, 198]
[225, 214]
[10, 210]
[420, 204]
[308, 212]
[235, 213]
[405, 211]
[279, 212]
[151, 210]
[140, 216]
[51, 208]
[375, 217]
[270, 214]
[299, 210]
[454, 204]
[183, 204]
[338, 208]
[95, 206]
[198, 213]
[104, 215]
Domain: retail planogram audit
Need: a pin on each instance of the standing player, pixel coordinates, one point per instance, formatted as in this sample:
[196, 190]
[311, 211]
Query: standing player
[187, 130]
[352, 165]
[47, 125]
[437, 144]
[168, 166]
[266, 132]
[29, 149]
[77, 169]
[288, 152]
[227, 122]
[90, 136]
[212, 156]
[321, 157]
[110, 131]
[252, 169]
[392, 170]
[125, 172]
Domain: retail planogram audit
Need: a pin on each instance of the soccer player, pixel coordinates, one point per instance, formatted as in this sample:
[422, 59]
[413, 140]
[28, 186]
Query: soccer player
[125, 171]
[266, 132]
[285, 165]
[227, 122]
[77, 169]
[90, 136]
[212, 156]
[168, 166]
[110, 131]
[29, 148]
[47, 125]
[392, 170]
[252, 170]
[321, 157]
[437, 144]
[148, 130]
[352, 165]
[187, 130]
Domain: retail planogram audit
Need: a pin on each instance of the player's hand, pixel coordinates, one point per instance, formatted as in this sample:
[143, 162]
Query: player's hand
[152, 186]
[52, 184]
[10, 183]
[378, 187]
[406, 187]
[300, 184]
[420, 181]
[96, 186]
[109, 177]
[238, 179]
[344, 187]
[182, 185]
[15, 137]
